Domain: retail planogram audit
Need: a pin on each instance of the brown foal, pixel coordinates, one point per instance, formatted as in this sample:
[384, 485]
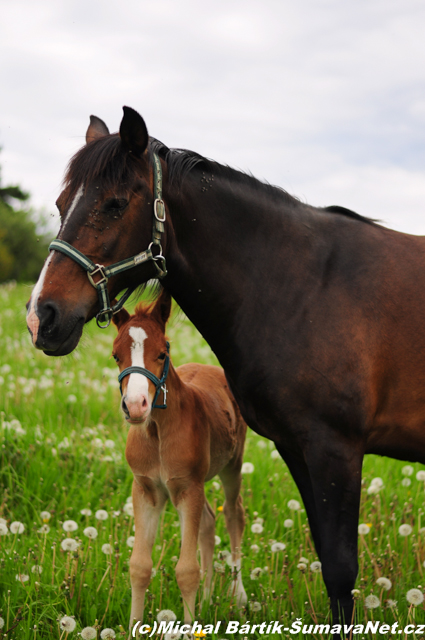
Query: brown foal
[174, 451]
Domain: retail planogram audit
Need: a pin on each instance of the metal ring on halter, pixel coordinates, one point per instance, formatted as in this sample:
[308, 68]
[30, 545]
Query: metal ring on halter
[158, 201]
[104, 278]
[109, 314]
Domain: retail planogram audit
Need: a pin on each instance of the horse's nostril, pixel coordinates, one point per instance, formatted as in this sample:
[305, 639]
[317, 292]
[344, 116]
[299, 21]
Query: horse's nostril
[124, 407]
[48, 314]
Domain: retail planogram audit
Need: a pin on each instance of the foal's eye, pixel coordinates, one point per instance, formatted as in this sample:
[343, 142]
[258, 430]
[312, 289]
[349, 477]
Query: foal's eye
[162, 356]
[115, 357]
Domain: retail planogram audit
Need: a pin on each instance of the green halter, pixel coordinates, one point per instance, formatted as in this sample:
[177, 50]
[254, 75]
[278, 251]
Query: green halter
[106, 312]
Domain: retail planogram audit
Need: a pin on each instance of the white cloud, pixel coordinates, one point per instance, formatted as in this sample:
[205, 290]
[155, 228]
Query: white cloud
[323, 98]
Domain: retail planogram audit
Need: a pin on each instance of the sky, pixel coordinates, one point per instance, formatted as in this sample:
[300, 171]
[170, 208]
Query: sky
[325, 98]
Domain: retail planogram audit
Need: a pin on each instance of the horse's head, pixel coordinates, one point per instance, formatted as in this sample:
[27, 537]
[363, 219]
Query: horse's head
[141, 352]
[107, 211]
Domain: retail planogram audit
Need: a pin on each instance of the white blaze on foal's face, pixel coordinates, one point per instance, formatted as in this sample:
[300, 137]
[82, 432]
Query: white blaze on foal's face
[138, 384]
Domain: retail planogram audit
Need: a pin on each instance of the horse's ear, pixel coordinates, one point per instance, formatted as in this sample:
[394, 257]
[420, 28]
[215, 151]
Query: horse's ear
[120, 317]
[162, 309]
[96, 129]
[133, 132]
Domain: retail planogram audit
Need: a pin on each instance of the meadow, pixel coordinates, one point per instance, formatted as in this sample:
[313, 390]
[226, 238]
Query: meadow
[66, 525]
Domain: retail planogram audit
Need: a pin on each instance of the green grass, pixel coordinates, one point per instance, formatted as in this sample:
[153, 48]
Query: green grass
[65, 453]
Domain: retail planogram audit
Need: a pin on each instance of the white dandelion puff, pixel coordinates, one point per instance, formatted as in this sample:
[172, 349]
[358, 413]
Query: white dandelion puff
[256, 573]
[288, 523]
[3, 529]
[247, 467]
[420, 475]
[106, 548]
[91, 532]
[44, 528]
[415, 596]
[37, 568]
[130, 541]
[88, 633]
[107, 634]
[17, 527]
[363, 529]
[406, 482]
[166, 615]
[45, 516]
[255, 606]
[316, 566]
[67, 624]
[294, 505]
[372, 602]
[86, 512]
[70, 525]
[22, 577]
[255, 548]
[257, 527]
[101, 514]
[275, 454]
[217, 540]
[302, 566]
[69, 544]
[407, 470]
[385, 583]
[405, 530]
[278, 546]
[377, 482]
[128, 509]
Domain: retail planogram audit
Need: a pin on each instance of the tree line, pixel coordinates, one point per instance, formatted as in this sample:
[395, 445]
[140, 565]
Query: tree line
[23, 240]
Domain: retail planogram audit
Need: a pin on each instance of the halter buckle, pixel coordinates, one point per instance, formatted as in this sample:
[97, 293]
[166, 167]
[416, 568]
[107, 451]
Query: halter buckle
[158, 202]
[99, 270]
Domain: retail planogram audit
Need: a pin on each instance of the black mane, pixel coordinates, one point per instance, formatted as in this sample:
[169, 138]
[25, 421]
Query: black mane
[107, 158]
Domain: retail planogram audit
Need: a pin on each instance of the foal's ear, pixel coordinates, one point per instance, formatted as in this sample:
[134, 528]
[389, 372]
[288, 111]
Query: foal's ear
[162, 309]
[96, 129]
[133, 132]
[120, 317]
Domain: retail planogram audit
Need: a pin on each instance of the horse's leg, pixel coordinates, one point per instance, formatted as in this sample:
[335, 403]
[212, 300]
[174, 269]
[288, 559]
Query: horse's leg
[235, 522]
[148, 504]
[189, 503]
[206, 544]
[335, 466]
[301, 475]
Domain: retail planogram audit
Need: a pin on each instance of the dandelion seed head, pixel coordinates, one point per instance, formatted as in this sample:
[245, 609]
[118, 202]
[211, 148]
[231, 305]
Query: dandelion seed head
[385, 583]
[406, 482]
[107, 634]
[22, 577]
[256, 573]
[17, 527]
[415, 596]
[70, 525]
[166, 615]
[106, 548]
[363, 529]
[217, 540]
[88, 633]
[247, 467]
[45, 516]
[316, 566]
[67, 624]
[3, 529]
[275, 454]
[130, 541]
[294, 505]
[91, 532]
[407, 470]
[257, 527]
[69, 544]
[101, 514]
[372, 602]
[128, 509]
[288, 523]
[302, 566]
[255, 606]
[391, 604]
[37, 568]
[44, 528]
[278, 546]
[405, 530]
[377, 482]
[86, 512]
[420, 475]
[1, 623]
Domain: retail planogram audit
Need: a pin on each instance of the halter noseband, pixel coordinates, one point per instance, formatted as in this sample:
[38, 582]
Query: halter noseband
[158, 382]
[106, 312]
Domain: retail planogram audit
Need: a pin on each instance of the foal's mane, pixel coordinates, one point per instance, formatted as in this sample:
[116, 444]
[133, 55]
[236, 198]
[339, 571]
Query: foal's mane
[107, 158]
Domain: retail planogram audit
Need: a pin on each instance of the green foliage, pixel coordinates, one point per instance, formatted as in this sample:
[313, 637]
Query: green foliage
[22, 248]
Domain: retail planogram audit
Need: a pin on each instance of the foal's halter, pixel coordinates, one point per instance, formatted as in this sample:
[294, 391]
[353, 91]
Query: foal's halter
[106, 312]
[158, 382]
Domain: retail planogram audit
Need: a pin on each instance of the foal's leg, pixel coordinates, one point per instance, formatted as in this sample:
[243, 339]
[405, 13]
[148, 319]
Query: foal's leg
[235, 523]
[206, 544]
[148, 503]
[189, 503]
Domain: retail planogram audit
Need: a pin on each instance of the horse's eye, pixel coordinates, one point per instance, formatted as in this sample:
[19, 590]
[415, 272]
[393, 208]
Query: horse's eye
[115, 357]
[162, 356]
[114, 204]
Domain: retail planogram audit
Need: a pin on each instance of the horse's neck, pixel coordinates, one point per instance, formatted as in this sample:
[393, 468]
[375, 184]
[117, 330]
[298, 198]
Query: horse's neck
[170, 418]
[225, 239]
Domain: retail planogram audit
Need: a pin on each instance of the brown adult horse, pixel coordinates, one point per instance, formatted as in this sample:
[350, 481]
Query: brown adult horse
[173, 449]
[317, 315]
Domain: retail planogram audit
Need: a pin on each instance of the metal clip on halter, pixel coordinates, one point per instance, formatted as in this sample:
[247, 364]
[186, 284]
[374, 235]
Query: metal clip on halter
[104, 317]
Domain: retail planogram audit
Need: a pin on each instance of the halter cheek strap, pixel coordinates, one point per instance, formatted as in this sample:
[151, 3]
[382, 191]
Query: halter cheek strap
[158, 382]
[102, 273]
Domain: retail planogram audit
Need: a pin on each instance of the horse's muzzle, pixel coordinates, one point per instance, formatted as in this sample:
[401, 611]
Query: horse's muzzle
[51, 332]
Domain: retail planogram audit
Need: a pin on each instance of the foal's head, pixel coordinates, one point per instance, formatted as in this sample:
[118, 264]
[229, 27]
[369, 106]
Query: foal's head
[141, 342]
